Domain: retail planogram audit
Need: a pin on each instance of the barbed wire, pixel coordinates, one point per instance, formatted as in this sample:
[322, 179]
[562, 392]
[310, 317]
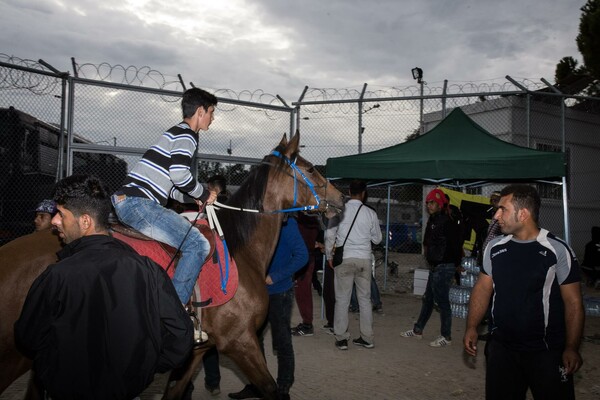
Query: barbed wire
[476, 89]
[130, 75]
[11, 78]
[149, 77]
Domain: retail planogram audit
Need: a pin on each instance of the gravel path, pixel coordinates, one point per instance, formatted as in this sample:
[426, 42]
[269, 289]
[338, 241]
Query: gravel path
[397, 368]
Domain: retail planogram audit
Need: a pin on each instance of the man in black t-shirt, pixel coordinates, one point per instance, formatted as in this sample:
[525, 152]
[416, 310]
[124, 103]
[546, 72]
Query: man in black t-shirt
[537, 310]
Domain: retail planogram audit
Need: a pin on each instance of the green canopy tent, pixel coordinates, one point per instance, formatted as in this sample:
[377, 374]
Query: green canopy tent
[456, 150]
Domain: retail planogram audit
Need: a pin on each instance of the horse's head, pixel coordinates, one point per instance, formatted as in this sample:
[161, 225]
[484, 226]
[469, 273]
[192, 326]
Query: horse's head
[300, 185]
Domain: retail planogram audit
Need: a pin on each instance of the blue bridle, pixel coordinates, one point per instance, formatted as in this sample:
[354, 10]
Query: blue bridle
[310, 185]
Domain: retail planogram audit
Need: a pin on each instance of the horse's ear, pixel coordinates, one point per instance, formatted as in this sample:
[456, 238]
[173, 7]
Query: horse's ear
[293, 146]
[284, 141]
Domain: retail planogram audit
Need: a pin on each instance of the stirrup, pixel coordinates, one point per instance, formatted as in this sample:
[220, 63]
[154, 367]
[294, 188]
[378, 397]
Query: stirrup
[200, 336]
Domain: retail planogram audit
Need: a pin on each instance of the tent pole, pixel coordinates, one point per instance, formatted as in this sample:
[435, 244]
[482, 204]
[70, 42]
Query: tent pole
[566, 211]
[387, 237]
[444, 92]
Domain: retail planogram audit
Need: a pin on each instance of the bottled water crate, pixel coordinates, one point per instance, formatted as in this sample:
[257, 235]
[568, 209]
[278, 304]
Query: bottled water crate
[420, 281]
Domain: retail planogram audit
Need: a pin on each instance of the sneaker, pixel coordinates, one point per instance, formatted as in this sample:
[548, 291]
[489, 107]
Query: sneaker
[411, 334]
[342, 344]
[440, 342]
[361, 342]
[328, 328]
[303, 330]
[378, 309]
[248, 392]
[213, 390]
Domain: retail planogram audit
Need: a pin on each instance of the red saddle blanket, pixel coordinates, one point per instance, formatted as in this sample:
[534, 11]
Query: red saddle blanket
[218, 279]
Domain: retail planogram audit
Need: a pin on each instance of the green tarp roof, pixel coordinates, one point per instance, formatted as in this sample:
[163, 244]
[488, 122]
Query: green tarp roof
[457, 148]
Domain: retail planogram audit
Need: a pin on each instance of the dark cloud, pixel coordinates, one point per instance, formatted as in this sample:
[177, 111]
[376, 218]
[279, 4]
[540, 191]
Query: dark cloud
[280, 46]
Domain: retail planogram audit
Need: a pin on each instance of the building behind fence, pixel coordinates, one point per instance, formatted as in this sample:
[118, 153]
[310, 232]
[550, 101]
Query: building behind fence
[107, 126]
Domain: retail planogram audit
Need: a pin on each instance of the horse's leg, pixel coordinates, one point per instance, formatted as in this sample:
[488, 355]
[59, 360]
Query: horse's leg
[246, 353]
[180, 378]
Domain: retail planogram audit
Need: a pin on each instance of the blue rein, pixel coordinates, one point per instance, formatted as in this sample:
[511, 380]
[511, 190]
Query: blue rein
[310, 185]
[224, 275]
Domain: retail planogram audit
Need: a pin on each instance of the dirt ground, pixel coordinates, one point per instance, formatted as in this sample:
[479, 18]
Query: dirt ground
[397, 368]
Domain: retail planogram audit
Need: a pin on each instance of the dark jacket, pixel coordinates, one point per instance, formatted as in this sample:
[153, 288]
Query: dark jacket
[290, 255]
[442, 240]
[99, 323]
[591, 257]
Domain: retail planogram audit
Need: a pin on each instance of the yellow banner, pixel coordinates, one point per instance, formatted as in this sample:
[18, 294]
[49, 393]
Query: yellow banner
[474, 209]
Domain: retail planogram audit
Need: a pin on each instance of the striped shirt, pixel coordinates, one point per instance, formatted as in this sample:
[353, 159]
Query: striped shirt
[527, 309]
[164, 170]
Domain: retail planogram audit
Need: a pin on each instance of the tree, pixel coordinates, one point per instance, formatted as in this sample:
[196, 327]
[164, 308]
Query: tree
[566, 68]
[573, 79]
[588, 40]
[235, 174]
[206, 169]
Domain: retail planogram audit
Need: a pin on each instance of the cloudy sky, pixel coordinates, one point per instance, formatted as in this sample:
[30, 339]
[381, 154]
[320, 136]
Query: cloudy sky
[280, 46]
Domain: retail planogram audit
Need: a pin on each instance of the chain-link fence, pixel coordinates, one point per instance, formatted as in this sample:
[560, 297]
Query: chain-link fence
[109, 117]
[533, 116]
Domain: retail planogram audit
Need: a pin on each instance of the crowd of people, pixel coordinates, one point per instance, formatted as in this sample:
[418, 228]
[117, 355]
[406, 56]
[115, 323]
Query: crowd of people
[523, 267]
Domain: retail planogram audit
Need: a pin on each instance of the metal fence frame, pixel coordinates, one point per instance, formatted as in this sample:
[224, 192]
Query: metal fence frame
[139, 151]
[355, 115]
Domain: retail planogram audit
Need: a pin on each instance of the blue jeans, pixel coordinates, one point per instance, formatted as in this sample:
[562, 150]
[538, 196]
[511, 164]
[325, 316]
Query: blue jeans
[280, 319]
[166, 226]
[438, 290]
[375, 296]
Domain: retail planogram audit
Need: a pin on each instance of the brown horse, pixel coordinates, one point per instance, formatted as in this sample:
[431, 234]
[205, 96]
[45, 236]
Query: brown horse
[282, 181]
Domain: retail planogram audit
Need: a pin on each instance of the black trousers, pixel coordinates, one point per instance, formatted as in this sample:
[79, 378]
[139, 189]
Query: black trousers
[510, 373]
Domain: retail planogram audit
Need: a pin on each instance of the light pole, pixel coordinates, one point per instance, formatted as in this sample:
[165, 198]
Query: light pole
[362, 128]
[417, 74]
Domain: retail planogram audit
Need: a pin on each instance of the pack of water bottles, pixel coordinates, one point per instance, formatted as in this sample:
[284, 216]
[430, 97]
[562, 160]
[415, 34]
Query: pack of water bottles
[468, 277]
[460, 294]
[470, 265]
[591, 306]
[459, 310]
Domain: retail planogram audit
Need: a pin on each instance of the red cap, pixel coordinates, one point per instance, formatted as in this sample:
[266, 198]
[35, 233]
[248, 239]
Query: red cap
[438, 196]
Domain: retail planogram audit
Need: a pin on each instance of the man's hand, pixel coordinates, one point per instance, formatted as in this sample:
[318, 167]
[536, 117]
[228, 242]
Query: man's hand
[572, 361]
[470, 341]
[268, 280]
[212, 197]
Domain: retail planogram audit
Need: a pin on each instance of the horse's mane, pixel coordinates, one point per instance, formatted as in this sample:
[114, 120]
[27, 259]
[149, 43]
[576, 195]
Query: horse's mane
[238, 226]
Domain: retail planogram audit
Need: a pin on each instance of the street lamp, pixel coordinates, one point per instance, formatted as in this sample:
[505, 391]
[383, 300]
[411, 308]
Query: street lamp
[417, 74]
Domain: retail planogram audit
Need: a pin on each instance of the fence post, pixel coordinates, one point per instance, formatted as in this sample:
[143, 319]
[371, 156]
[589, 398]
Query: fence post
[360, 113]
